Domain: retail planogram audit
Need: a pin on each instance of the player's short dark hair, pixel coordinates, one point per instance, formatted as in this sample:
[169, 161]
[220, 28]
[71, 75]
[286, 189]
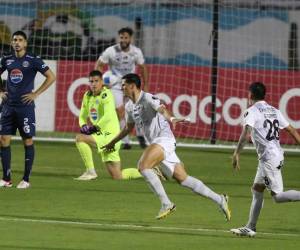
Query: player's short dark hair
[258, 90]
[126, 30]
[19, 33]
[133, 78]
[95, 73]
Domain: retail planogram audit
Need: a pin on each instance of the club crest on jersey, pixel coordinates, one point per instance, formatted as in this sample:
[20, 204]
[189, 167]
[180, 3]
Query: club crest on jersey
[16, 76]
[93, 114]
[25, 64]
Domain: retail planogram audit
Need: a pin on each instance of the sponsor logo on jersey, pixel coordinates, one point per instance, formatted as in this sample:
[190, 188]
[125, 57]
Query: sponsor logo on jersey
[246, 114]
[25, 64]
[16, 76]
[93, 114]
[9, 62]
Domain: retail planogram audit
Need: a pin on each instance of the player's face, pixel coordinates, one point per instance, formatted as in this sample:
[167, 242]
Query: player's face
[19, 43]
[126, 89]
[125, 40]
[96, 84]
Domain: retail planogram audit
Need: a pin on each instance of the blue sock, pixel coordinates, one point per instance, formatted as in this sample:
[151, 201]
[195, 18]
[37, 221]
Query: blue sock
[5, 160]
[29, 157]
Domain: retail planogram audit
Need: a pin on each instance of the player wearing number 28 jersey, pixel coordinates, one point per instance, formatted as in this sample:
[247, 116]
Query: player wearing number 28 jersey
[263, 122]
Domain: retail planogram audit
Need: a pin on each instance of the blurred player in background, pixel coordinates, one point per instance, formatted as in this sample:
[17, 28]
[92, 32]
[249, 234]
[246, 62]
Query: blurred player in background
[262, 122]
[99, 123]
[122, 59]
[18, 109]
[145, 110]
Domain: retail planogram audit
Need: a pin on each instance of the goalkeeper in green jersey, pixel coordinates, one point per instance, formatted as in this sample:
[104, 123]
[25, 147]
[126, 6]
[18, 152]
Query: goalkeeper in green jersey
[99, 124]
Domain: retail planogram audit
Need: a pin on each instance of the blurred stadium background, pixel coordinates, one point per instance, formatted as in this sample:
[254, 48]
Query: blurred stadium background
[201, 56]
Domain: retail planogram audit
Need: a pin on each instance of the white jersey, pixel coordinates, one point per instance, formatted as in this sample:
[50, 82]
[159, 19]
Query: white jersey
[265, 121]
[121, 62]
[144, 114]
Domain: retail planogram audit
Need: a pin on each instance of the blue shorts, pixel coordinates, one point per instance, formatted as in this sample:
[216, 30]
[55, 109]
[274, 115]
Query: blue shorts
[21, 118]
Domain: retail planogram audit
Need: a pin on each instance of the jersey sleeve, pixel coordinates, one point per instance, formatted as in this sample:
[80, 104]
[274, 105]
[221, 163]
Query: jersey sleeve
[83, 115]
[104, 57]
[2, 65]
[153, 101]
[140, 57]
[249, 118]
[40, 65]
[283, 123]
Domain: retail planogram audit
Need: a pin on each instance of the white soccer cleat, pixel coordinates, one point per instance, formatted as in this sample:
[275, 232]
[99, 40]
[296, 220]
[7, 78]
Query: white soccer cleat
[165, 210]
[86, 176]
[243, 231]
[5, 184]
[23, 185]
[225, 208]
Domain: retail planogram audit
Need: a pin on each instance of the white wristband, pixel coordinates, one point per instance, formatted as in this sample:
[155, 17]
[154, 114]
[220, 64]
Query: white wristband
[172, 118]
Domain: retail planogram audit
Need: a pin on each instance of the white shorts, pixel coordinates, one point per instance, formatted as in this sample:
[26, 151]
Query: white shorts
[119, 97]
[170, 157]
[270, 176]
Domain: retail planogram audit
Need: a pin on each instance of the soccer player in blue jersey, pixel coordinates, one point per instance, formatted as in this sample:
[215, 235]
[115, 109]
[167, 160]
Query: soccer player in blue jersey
[18, 109]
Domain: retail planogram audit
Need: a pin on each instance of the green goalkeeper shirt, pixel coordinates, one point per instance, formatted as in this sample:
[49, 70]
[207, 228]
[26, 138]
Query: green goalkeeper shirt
[100, 111]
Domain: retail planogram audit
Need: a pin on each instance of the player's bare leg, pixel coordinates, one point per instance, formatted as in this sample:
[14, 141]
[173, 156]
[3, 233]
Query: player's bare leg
[151, 157]
[200, 188]
[114, 169]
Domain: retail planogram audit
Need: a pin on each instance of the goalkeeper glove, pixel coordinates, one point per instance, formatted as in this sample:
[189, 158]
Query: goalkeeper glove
[88, 130]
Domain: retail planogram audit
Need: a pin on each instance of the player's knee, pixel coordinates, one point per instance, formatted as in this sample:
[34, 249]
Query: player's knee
[4, 141]
[78, 138]
[277, 197]
[258, 188]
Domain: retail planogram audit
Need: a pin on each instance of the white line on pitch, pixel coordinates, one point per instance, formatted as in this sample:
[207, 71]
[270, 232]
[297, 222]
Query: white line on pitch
[132, 226]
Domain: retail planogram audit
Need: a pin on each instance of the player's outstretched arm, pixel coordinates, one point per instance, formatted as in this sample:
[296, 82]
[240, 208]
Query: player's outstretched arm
[125, 131]
[242, 141]
[293, 132]
[167, 114]
[145, 76]
[50, 78]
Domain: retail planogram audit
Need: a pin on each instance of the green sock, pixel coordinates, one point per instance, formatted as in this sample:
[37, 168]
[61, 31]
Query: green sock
[130, 173]
[86, 154]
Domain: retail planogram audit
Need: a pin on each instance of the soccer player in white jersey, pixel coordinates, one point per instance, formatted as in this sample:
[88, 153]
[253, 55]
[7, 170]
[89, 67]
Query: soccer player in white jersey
[122, 59]
[145, 110]
[262, 122]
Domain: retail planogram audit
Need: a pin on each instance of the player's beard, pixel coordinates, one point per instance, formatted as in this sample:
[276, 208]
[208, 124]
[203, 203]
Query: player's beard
[124, 45]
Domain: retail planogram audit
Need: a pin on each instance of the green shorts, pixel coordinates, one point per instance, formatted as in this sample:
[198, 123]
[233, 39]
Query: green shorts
[103, 139]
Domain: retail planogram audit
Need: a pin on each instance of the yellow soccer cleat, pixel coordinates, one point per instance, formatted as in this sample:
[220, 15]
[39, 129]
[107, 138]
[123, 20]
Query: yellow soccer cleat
[225, 208]
[165, 210]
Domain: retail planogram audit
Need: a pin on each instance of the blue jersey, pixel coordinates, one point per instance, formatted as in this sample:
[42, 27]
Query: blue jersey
[21, 74]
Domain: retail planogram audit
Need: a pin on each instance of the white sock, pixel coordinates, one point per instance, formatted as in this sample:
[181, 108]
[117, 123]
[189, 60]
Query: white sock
[287, 196]
[256, 205]
[198, 187]
[126, 138]
[155, 185]
[92, 171]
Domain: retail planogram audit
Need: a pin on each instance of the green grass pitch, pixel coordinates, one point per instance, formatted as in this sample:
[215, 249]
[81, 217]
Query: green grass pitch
[60, 213]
